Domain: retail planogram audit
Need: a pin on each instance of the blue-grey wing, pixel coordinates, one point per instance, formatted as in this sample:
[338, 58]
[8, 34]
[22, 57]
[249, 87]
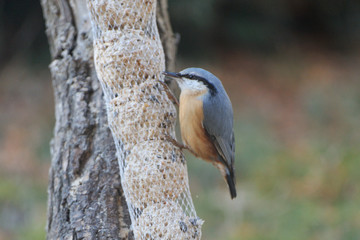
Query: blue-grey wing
[218, 123]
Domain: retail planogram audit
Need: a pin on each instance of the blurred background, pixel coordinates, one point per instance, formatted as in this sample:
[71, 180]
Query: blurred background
[292, 71]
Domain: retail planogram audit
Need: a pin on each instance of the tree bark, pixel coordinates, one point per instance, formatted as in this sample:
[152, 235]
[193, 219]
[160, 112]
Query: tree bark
[85, 195]
[85, 199]
[169, 40]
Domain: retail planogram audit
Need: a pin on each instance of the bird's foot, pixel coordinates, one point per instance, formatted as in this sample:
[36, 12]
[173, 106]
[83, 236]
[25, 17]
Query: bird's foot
[179, 145]
[169, 93]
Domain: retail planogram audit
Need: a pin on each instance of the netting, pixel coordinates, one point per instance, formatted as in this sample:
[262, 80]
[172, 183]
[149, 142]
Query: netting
[129, 60]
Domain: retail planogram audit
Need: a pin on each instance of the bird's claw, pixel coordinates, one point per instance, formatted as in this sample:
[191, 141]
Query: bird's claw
[175, 142]
[169, 93]
[179, 145]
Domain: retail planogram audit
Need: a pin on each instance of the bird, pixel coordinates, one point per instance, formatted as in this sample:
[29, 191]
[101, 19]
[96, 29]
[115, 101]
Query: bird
[206, 120]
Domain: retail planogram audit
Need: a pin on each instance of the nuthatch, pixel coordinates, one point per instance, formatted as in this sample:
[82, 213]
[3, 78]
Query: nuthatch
[206, 120]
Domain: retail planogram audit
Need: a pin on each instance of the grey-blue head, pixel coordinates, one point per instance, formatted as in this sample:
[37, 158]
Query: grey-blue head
[197, 79]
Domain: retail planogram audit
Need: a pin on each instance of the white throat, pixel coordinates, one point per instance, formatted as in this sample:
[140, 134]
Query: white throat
[193, 85]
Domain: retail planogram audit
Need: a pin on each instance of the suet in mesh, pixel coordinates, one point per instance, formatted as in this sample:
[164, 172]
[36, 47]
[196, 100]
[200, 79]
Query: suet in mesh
[129, 60]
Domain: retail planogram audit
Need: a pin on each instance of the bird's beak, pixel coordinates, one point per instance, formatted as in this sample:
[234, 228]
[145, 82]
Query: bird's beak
[172, 74]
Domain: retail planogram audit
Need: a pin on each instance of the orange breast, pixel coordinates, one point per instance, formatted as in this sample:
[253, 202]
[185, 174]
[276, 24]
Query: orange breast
[192, 132]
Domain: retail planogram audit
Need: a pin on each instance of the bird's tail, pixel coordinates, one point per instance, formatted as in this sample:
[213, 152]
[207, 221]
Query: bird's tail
[230, 179]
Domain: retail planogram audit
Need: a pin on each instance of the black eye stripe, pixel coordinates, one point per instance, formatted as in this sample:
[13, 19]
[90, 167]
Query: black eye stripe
[189, 76]
[210, 86]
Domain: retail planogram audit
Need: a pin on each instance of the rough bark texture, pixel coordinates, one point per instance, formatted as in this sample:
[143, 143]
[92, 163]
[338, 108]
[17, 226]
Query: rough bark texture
[85, 195]
[169, 40]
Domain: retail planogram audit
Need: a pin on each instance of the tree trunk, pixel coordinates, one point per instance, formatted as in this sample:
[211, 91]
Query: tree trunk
[85, 195]
[169, 41]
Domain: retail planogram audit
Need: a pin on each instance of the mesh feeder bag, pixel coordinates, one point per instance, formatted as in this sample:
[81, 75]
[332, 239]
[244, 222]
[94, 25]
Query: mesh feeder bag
[129, 59]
